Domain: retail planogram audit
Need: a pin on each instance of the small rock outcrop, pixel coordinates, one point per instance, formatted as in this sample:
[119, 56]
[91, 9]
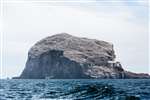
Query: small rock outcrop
[64, 56]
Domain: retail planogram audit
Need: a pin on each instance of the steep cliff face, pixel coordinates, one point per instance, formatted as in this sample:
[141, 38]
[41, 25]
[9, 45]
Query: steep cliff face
[63, 56]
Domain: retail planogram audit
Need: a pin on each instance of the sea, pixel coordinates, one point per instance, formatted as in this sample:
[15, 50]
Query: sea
[75, 89]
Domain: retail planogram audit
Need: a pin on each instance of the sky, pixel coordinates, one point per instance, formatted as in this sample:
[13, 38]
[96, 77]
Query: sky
[121, 22]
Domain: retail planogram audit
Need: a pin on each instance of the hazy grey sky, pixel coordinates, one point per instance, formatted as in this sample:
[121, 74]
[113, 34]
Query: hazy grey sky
[124, 23]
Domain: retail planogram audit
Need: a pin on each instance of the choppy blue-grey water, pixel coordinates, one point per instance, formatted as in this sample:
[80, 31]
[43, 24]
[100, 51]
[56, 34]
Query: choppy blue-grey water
[75, 89]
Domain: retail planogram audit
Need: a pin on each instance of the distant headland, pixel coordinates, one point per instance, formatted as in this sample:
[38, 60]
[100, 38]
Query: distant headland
[63, 56]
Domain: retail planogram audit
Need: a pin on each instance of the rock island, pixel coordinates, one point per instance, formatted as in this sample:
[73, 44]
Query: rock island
[63, 56]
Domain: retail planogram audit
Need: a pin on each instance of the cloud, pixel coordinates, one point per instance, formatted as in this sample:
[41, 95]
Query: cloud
[143, 2]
